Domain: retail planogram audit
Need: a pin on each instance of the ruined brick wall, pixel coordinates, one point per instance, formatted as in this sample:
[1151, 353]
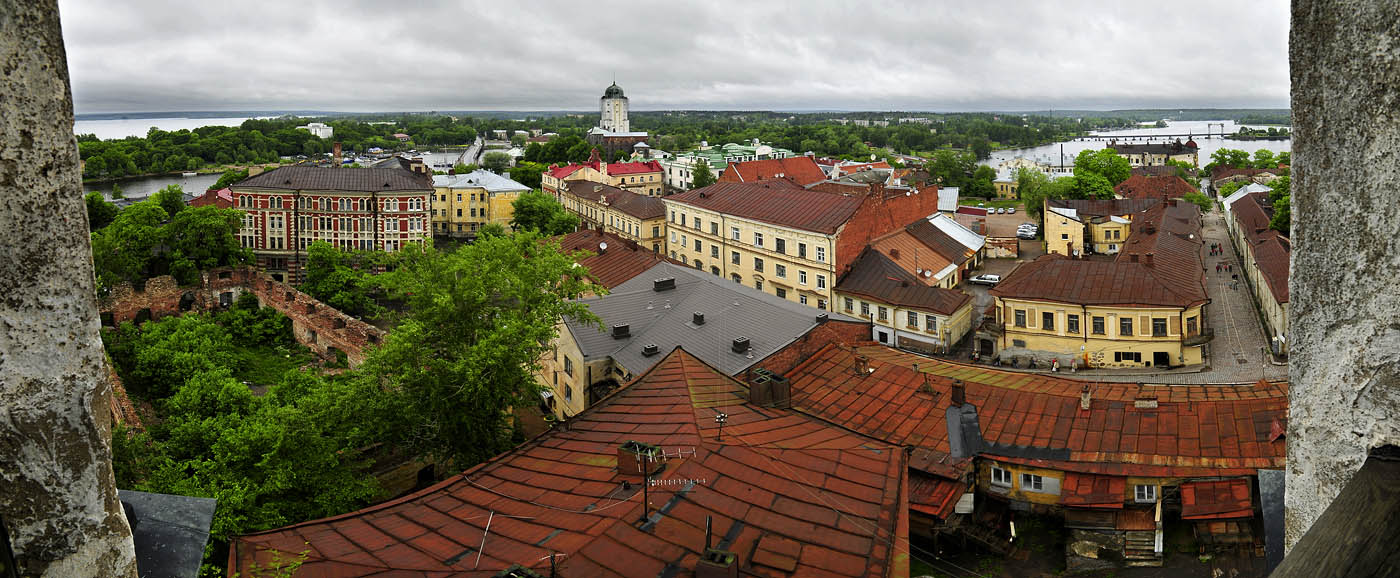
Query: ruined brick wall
[316, 325]
[1002, 248]
[881, 212]
[839, 332]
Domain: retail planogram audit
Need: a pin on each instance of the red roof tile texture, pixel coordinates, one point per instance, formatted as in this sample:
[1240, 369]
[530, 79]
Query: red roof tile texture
[623, 259]
[933, 495]
[1154, 187]
[788, 495]
[800, 170]
[564, 171]
[1271, 250]
[1091, 491]
[775, 201]
[1217, 499]
[877, 277]
[1193, 431]
[640, 206]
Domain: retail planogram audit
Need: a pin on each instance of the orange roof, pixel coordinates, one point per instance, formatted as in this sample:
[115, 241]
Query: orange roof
[560, 172]
[801, 170]
[1035, 419]
[848, 169]
[934, 495]
[1216, 499]
[1154, 187]
[788, 494]
[1091, 491]
[623, 259]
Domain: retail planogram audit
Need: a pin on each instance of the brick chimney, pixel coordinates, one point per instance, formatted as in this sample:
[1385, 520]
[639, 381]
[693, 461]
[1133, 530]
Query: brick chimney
[335, 153]
[959, 392]
[1147, 259]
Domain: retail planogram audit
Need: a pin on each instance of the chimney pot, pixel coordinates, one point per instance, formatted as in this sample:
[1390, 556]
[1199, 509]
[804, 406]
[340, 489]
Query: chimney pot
[621, 331]
[663, 284]
[1148, 261]
[959, 392]
[740, 345]
[1084, 398]
[698, 318]
[650, 349]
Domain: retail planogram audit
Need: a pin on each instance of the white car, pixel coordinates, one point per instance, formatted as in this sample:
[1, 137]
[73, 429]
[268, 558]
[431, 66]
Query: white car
[985, 279]
[1001, 211]
[1011, 210]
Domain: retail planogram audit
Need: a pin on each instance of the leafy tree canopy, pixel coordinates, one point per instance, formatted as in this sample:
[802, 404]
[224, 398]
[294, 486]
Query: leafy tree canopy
[230, 177]
[331, 276]
[100, 212]
[703, 174]
[1105, 163]
[496, 162]
[537, 211]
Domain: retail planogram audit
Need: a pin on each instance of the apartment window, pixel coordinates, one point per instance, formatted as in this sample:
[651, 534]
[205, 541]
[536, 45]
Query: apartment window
[821, 304]
[821, 254]
[864, 309]
[714, 251]
[802, 299]
[802, 277]
[758, 264]
[673, 236]
[683, 219]
[714, 270]
[655, 231]
[758, 239]
[1047, 321]
[1098, 326]
[714, 228]
[1072, 323]
[1064, 236]
[734, 233]
[850, 304]
[697, 224]
[568, 366]
[781, 293]
[673, 216]
[802, 250]
[913, 319]
[568, 392]
[1001, 477]
[1159, 326]
[780, 270]
[459, 212]
[1125, 326]
[821, 281]
[734, 257]
[780, 246]
[1127, 356]
[930, 323]
[1032, 482]
[882, 313]
[1020, 317]
[1018, 343]
[1191, 328]
[758, 285]
[698, 246]
[735, 277]
[684, 241]
[1145, 494]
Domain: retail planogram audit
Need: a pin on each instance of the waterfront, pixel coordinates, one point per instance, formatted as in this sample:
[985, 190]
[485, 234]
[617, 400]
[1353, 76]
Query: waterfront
[1051, 153]
[124, 127]
[138, 187]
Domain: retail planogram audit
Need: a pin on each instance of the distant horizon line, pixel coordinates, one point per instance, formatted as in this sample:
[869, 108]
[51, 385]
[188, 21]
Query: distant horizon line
[134, 115]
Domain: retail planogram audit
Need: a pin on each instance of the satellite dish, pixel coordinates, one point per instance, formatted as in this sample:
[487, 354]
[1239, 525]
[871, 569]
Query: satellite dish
[602, 246]
[928, 273]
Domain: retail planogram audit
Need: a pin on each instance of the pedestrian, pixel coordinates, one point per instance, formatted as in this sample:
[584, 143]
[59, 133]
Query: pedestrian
[1217, 268]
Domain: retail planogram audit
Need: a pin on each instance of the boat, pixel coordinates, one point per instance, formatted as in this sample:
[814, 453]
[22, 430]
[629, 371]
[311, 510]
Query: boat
[189, 174]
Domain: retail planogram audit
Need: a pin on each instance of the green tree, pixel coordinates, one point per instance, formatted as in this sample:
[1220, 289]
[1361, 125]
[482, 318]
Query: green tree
[982, 149]
[1229, 158]
[496, 162]
[491, 230]
[203, 238]
[1229, 188]
[1105, 163]
[1032, 186]
[537, 211]
[229, 177]
[463, 168]
[171, 198]
[117, 192]
[123, 250]
[1092, 186]
[1183, 168]
[1283, 214]
[331, 277]
[951, 168]
[1264, 159]
[100, 212]
[981, 184]
[1200, 200]
[527, 173]
[703, 174]
[479, 319]
[517, 140]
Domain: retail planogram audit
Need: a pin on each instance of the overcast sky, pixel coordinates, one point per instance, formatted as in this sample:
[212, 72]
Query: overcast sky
[352, 55]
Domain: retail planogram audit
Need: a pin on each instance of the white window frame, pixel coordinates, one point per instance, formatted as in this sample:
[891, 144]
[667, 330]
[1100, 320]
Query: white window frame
[1032, 483]
[1001, 478]
[1145, 494]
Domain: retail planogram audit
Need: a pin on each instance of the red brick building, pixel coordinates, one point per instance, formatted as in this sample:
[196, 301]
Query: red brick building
[289, 208]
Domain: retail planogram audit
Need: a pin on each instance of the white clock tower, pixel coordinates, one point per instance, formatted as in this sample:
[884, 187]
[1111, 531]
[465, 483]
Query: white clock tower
[614, 109]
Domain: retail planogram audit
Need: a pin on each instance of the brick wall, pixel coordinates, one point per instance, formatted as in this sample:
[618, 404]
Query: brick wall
[881, 212]
[841, 332]
[316, 325]
[1002, 247]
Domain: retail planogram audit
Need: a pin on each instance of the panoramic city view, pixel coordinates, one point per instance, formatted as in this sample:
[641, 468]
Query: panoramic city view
[713, 290]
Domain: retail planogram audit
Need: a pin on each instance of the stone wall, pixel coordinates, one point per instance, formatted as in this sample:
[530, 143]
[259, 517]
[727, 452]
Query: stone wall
[316, 325]
[1002, 248]
[57, 494]
[1344, 302]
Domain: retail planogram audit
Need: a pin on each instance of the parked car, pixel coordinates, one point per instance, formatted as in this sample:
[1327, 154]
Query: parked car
[985, 279]
[1025, 235]
[1001, 210]
[1011, 210]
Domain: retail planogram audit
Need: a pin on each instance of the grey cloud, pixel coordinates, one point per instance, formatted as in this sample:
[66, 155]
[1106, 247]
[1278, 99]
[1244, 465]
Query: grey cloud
[153, 55]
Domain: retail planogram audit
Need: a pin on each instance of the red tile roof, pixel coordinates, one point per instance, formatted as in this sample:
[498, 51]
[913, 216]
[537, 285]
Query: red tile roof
[855, 168]
[564, 171]
[875, 276]
[788, 494]
[1169, 234]
[775, 201]
[1194, 430]
[800, 170]
[222, 198]
[934, 495]
[640, 206]
[1154, 187]
[1217, 499]
[623, 260]
[1271, 250]
[1092, 491]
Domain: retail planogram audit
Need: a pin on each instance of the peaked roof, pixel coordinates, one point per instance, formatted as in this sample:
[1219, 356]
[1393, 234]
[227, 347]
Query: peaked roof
[874, 275]
[779, 202]
[316, 179]
[479, 179]
[801, 170]
[947, 237]
[665, 318]
[1271, 250]
[1154, 187]
[788, 495]
[1102, 207]
[640, 206]
[621, 261]
[1194, 431]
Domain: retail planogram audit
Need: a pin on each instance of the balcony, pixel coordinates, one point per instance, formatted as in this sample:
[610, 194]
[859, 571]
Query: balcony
[1201, 338]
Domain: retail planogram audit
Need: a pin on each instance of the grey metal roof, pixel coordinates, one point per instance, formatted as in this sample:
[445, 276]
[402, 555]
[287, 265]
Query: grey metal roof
[169, 532]
[308, 178]
[479, 179]
[665, 318]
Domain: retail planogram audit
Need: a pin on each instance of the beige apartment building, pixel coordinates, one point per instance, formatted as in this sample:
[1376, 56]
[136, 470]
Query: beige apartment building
[624, 213]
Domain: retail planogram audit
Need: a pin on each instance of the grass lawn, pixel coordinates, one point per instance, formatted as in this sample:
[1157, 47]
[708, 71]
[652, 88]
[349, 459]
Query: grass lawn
[266, 365]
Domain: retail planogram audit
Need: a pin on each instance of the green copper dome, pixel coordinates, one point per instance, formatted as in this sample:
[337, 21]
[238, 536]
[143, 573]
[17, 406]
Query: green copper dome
[613, 91]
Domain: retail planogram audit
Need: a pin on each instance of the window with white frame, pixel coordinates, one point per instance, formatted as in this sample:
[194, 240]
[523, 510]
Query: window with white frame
[1032, 482]
[821, 254]
[1001, 477]
[821, 281]
[1145, 493]
[758, 239]
[734, 233]
[801, 277]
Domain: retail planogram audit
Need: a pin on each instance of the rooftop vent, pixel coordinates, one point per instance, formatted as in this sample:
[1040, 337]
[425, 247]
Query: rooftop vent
[663, 284]
[823, 318]
[894, 253]
[650, 349]
[770, 390]
[518, 571]
[740, 345]
[632, 454]
[698, 318]
[717, 564]
[622, 331]
[602, 248]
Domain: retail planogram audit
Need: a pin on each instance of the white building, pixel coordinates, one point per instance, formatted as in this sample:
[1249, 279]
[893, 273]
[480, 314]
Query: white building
[613, 106]
[321, 130]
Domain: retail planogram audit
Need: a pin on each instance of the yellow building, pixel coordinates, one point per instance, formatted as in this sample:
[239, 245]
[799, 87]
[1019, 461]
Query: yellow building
[1101, 224]
[1007, 188]
[1143, 309]
[628, 215]
[643, 178]
[1264, 255]
[464, 203]
[903, 311]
